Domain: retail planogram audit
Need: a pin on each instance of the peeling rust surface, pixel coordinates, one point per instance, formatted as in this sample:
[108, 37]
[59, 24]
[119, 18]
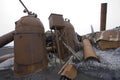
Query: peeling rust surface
[88, 50]
[110, 35]
[29, 46]
[56, 20]
[68, 37]
[108, 39]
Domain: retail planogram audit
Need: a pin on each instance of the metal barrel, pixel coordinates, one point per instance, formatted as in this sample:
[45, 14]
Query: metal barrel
[103, 16]
[7, 38]
[89, 52]
[29, 46]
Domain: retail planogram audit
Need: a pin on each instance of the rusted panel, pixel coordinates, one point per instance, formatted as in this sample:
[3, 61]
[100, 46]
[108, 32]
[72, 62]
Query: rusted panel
[69, 71]
[109, 35]
[108, 39]
[56, 20]
[29, 44]
[89, 51]
[20, 70]
[7, 38]
[103, 16]
[108, 44]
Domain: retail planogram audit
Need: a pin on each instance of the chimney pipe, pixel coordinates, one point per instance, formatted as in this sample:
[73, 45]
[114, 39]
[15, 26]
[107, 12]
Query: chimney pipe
[103, 16]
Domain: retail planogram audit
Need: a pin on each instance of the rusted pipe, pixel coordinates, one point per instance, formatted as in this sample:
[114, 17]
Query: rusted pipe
[89, 52]
[7, 38]
[103, 16]
[5, 57]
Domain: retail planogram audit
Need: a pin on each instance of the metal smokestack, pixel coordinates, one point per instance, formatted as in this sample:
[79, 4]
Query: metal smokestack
[103, 16]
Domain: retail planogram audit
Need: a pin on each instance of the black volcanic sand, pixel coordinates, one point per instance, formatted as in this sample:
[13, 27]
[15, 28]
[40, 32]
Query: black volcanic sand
[6, 50]
[48, 74]
[6, 74]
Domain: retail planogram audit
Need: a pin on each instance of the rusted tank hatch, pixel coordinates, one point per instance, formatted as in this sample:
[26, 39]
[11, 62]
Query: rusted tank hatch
[29, 46]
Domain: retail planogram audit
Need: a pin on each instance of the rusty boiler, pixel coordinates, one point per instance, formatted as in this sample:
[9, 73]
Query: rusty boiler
[69, 36]
[56, 23]
[29, 46]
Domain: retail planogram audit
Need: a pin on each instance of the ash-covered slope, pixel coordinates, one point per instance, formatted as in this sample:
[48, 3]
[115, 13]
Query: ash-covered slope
[107, 69]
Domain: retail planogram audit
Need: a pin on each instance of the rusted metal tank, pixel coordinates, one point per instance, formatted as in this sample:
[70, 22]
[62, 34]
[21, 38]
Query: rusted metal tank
[56, 21]
[108, 39]
[29, 46]
[7, 38]
[68, 36]
[103, 16]
[89, 52]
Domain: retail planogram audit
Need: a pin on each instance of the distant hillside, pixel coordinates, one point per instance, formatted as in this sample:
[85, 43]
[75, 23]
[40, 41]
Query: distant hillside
[6, 50]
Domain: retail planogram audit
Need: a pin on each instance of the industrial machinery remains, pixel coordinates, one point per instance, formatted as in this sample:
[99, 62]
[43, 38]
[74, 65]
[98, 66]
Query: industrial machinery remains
[35, 49]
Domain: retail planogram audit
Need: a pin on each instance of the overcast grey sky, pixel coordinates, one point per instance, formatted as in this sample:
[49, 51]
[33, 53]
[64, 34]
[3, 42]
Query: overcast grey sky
[82, 13]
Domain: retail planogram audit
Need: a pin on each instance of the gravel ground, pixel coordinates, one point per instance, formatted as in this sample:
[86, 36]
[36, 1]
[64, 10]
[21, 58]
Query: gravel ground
[108, 71]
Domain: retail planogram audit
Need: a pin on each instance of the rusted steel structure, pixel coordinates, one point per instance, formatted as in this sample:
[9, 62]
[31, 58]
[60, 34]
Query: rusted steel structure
[29, 46]
[89, 52]
[7, 38]
[108, 39]
[103, 16]
[64, 32]
[56, 21]
[69, 37]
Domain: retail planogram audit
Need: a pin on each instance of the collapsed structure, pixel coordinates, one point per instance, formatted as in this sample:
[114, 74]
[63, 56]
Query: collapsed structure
[33, 47]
